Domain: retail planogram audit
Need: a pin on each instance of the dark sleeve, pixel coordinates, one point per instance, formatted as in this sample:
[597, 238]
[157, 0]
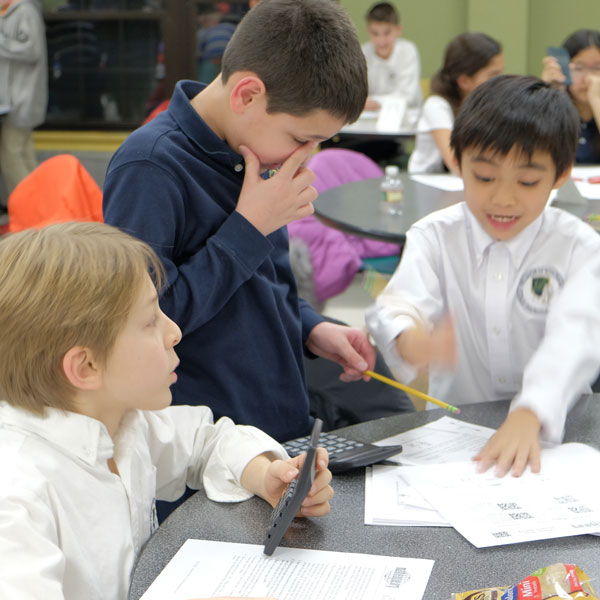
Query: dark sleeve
[146, 201]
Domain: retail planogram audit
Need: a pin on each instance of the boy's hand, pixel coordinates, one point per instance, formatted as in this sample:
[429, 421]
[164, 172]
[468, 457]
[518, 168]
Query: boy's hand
[285, 197]
[516, 444]
[348, 346]
[280, 473]
[552, 73]
[420, 347]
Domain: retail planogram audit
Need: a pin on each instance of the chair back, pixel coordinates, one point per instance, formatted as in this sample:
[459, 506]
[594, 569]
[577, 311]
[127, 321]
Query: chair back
[58, 190]
[336, 166]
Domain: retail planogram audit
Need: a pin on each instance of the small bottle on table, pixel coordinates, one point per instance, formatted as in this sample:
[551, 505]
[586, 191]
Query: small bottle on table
[392, 190]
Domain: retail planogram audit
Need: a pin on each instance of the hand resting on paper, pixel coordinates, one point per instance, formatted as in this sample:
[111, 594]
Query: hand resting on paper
[515, 445]
[269, 478]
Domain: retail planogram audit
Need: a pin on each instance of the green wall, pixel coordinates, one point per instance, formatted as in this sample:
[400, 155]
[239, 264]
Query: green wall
[524, 27]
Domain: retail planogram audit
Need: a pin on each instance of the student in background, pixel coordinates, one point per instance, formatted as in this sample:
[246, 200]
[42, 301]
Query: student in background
[499, 295]
[393, 63]
[470, 59]
[23, 86]
[191, 184]
[583, 47]
[87, 437]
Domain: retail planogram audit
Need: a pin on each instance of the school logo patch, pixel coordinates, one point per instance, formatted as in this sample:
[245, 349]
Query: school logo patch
[536, 288]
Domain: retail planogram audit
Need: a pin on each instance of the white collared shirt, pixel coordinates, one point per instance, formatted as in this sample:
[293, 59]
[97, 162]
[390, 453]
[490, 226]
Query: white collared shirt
[398, 75]
[426, 157]
[525, 311]
[69, 527]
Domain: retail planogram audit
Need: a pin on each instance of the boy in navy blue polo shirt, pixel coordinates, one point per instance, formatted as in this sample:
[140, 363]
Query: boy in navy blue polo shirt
[190, 184]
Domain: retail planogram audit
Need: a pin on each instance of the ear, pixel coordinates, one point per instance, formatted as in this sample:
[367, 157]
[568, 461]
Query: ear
[246, 91]
[81, 369]
[399, 30]
[562, 178]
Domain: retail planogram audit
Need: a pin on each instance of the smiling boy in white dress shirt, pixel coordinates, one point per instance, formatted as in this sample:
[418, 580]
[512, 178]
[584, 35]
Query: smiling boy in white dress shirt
[499, 295]
[87, 438]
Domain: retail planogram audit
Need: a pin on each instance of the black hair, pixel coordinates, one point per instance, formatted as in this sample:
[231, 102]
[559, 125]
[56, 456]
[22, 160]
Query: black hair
[580, 40]
[307, 54]
[383, 12]
[465, 55]
[518, 111]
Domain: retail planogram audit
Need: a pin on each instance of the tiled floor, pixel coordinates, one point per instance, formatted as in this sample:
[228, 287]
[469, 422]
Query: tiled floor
[350, 305]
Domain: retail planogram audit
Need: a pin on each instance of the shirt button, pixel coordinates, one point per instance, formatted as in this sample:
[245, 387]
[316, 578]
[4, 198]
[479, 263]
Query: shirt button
[497, 330]
[239, 167]
[499, 276]
[502, 379]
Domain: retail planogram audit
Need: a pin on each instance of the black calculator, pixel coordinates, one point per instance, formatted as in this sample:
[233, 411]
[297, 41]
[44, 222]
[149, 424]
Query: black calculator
[345, 454]
[297, 490]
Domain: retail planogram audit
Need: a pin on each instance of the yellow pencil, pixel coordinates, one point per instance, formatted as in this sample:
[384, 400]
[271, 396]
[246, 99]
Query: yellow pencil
[412, 391]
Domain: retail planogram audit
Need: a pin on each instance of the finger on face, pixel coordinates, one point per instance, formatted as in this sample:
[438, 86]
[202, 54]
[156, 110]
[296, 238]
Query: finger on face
[290, 167]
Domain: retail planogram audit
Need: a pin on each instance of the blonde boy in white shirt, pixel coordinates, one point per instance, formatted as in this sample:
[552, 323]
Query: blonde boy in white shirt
[499, 295]
[393, 63]
[87, 438]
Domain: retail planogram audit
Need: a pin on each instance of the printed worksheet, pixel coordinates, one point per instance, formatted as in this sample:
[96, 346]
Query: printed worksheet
[389, 500]
[204, 569]
[444, 440]
[563, 500]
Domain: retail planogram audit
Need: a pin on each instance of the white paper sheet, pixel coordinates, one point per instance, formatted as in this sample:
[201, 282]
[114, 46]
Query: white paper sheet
[444, 440]
[389, 500]
[562, 500]
[448, 183]
[203, 569]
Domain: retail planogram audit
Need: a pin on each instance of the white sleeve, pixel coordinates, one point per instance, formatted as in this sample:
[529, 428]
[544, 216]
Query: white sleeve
[568, 359]
[413, 295]
[409, 77]
[32, 564]
[437, 114]
[188, 448]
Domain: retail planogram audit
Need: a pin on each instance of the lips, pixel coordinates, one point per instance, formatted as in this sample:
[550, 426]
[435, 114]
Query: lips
[502, 221]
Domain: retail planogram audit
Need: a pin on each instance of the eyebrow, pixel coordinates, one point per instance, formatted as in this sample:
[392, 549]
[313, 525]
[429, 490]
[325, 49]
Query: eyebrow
[528, 165]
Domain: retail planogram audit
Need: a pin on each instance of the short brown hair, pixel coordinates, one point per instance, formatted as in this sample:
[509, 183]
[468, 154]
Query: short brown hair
[62, 286]
[383, 12]
[307, 54]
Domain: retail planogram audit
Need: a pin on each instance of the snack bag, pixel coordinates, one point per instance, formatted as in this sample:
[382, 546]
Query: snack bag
[556, 582]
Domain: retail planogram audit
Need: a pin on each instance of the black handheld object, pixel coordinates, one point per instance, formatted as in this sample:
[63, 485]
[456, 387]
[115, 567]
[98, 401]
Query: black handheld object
[563, 58]
[345, 454]
[292, 498]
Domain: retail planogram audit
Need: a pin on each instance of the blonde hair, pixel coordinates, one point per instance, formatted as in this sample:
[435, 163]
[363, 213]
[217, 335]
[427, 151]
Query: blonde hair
[66, 285]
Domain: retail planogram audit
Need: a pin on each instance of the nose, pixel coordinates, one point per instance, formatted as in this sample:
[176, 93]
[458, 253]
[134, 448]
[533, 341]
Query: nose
[173, 333]
[504, 195]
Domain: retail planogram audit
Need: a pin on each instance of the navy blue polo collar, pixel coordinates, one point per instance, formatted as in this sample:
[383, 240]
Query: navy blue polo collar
[195, 128]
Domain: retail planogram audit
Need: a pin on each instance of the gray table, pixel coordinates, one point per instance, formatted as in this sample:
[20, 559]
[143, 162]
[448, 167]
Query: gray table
[459, 566]
[356, 208]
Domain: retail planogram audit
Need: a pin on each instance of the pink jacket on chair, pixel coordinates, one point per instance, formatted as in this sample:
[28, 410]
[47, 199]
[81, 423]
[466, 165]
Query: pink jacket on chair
[336, 257]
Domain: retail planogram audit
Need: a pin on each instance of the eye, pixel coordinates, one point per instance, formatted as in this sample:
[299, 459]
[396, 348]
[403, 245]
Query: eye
[529, 183]
[300, 142]
[483, 178]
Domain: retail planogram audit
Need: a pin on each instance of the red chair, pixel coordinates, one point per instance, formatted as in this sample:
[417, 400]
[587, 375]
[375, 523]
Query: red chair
[59, 190]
